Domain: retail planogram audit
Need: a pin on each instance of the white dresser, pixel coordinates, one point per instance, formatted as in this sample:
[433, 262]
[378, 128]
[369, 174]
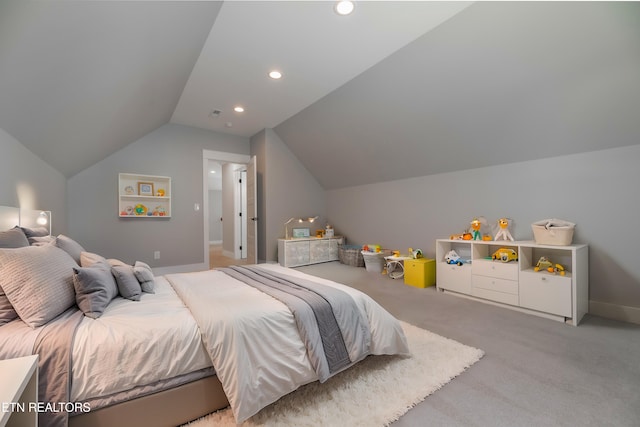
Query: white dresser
[308, 250]
[516, 284]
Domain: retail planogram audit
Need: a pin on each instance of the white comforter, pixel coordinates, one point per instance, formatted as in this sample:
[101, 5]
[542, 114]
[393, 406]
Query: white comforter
[136, 343]
[253, 340]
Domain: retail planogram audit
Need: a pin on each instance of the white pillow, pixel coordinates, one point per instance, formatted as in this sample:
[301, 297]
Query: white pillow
[88, 259]
[38, 281]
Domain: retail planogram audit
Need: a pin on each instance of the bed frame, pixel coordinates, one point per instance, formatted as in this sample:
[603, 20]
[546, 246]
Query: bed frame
[170, 408]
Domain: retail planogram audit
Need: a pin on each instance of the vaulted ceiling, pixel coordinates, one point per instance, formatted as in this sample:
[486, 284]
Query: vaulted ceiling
[392, 91]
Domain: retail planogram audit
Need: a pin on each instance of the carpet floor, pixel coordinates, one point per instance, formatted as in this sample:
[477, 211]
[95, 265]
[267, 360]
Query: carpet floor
[375, 392]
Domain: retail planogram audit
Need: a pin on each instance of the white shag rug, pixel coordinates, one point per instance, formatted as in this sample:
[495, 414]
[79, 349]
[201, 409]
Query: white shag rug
[374, 392]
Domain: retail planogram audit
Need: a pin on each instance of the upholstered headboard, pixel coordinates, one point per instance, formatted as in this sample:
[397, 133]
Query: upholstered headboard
[11, 216]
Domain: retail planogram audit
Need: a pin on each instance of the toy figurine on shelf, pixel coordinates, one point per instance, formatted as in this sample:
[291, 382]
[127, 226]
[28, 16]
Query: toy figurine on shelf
[415, 253]
[475, 229]
[505, 255]
[452, 257]
[475, 232]
[545, 264]
[503, 230]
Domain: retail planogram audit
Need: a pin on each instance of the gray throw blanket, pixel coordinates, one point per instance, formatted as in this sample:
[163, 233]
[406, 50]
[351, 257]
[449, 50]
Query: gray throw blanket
[330, 325]
[53, 346]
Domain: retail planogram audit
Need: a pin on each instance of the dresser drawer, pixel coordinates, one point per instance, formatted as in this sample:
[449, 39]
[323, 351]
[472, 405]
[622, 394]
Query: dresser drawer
[498, 269]
[495, 296]
[546, 292]
[454, 277]
[493, 284]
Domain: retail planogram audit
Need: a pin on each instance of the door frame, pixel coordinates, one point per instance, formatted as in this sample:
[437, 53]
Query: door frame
[240, 203]
[220, 156]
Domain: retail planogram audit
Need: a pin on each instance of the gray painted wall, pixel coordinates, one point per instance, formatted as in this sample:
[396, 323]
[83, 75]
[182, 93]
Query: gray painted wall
[27, 182]
[286, 189]
[594, 190]
[171, 150]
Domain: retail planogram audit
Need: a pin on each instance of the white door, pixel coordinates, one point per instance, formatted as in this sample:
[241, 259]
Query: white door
[252, 213]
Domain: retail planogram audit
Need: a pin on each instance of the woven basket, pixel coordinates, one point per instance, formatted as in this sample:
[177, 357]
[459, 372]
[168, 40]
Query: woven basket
[350, 255]
[553, 232]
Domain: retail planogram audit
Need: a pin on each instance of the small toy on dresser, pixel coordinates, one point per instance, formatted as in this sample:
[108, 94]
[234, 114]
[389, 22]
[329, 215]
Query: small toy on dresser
[545, 264]
[452, 257]
[476, 224]
[505, 255]
[503, 229]
[476, 231]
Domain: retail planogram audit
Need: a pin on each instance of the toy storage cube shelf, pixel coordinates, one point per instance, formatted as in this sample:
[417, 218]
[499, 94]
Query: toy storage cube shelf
[420, 272]
[515, 284]
[144, 196]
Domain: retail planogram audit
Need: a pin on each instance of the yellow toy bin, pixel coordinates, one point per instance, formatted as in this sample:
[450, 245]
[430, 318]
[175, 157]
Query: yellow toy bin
[420, 272]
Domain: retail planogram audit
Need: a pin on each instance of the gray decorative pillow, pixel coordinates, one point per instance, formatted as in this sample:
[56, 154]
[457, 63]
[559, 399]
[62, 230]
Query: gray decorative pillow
[38, 280]
[13, 238]
[95, 288]
[145, 276]
[35, 232]
[128, 285]
[70, 246]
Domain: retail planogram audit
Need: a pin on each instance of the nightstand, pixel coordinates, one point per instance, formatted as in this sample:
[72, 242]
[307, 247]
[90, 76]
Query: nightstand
[19, 388]
[420, 272]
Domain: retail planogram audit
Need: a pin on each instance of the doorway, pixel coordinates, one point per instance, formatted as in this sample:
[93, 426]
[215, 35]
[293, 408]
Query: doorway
[227, 222]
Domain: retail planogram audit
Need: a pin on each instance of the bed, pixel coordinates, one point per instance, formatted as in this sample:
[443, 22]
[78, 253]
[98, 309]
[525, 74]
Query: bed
[146, 355]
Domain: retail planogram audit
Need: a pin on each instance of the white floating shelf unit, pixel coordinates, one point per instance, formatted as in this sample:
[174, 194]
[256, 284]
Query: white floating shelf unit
[144, 196]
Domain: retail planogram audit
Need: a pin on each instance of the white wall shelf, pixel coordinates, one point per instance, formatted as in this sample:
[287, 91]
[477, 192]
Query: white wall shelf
[515, 284]
[144, 196]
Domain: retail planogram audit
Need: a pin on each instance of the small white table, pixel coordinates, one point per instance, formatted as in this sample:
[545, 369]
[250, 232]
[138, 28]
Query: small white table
[18, 388]
[395, 266]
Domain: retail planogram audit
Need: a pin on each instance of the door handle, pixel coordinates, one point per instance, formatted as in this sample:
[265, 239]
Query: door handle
[255, 218]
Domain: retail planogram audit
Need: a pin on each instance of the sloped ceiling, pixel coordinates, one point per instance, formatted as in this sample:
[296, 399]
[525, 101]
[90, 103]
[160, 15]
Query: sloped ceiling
[396, 90]
[498, 83]
[316, 50]
[82, 79]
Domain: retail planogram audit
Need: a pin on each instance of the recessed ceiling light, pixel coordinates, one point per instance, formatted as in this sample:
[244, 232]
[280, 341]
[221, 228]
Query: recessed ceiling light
[212, 171]
[275, 74]
[344, 7]
[238, 109]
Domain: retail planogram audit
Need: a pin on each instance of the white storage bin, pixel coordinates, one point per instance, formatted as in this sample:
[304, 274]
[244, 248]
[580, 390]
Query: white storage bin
[373, 261]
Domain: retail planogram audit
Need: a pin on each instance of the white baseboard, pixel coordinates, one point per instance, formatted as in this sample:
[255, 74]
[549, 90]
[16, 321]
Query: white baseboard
[622, 313]
[215, 242]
